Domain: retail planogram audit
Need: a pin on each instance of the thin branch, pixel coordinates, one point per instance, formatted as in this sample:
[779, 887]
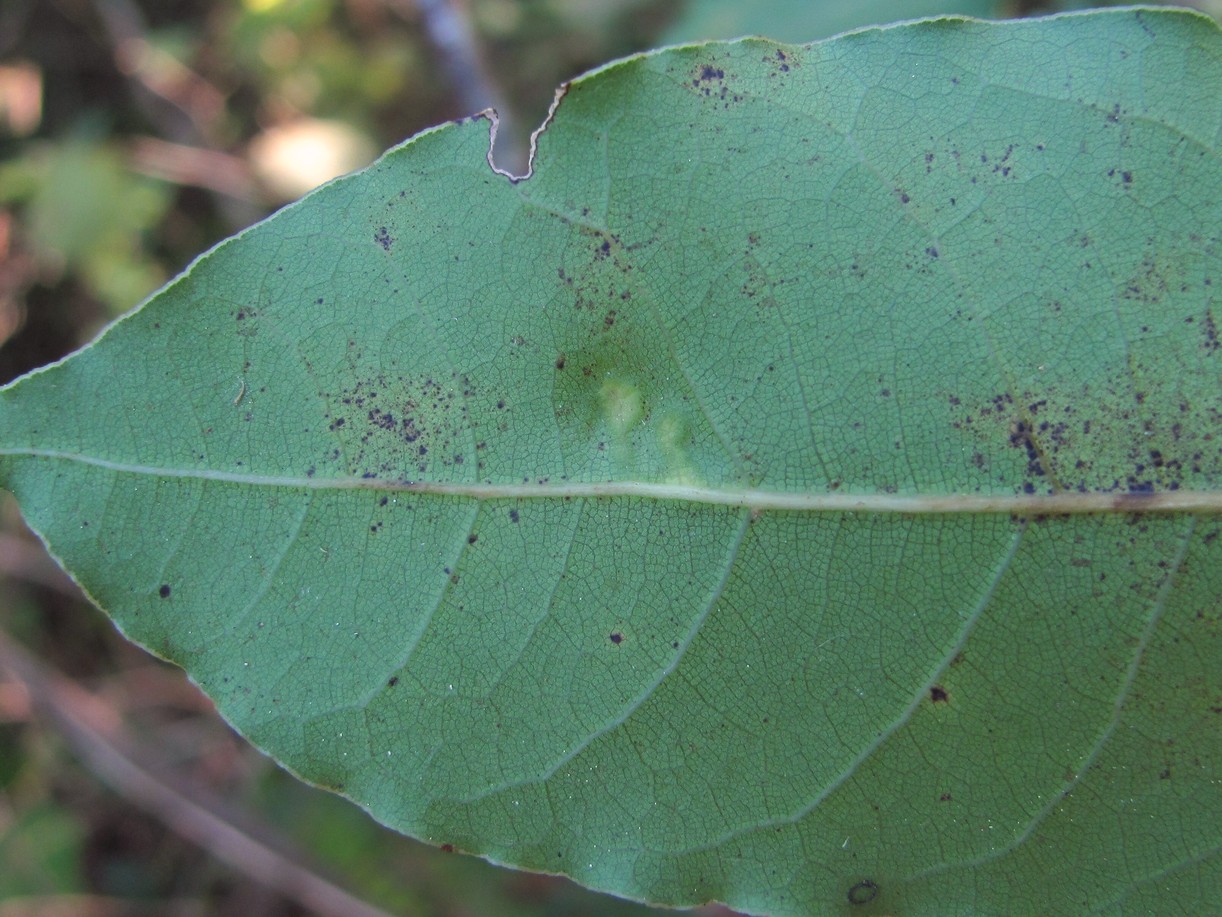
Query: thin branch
[184, 107]
[450, 31]
[181, 164]
[91, 727]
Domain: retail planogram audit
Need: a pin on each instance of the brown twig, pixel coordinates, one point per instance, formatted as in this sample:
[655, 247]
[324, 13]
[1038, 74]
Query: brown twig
[181, 164]
[93, 730]
[449, 29]
[183, 107]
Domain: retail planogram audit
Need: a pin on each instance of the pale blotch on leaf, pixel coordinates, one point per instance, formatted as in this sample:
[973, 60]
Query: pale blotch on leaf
[674, 435]
[622, 406]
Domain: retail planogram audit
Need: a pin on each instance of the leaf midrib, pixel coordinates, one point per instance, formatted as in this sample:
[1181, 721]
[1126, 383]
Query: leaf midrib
[755, 499]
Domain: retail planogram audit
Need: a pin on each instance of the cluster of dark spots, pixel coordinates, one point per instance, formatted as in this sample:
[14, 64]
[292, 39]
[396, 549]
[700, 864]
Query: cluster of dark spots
[902, 195]
[1126, 177]
[383, 238]
[710, 81]
[1001, 167]
[1209, 328]
[938, 694]
[1059, 443]
[514, 516]
[389, 423]
[780, 61]
[945, 797]
[394, 680]
[164, 591]
[1021, 437]
[1152, 282]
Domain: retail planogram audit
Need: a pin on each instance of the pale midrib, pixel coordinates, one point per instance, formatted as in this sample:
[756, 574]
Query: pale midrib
[741, 497]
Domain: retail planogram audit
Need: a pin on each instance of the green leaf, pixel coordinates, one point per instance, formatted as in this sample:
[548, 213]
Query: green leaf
[802, 20]
[802, 491]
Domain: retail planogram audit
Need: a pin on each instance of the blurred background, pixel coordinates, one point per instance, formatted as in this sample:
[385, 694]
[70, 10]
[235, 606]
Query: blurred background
[135, 134]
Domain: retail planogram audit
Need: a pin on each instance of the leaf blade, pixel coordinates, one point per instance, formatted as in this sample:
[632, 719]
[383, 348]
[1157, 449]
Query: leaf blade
[556, 668]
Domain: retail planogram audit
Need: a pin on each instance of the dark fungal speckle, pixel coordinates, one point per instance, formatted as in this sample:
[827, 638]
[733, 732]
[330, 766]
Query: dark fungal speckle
[616, 637]
[164, 591]
[938, 694]
[393, 681]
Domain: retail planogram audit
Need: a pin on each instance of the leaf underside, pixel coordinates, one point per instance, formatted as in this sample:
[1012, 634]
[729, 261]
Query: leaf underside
[345, 472]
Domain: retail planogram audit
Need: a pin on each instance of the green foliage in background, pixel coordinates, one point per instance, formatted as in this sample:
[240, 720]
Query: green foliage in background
[522, 513]
[800, 20]
[87, 213]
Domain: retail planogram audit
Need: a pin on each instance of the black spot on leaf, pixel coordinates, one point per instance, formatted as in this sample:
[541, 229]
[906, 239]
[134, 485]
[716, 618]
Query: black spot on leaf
[164, 591]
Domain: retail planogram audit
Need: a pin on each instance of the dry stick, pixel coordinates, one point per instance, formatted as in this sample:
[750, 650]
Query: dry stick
[450, 31]
[182, 164]
[77, 714]
[184, 107]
